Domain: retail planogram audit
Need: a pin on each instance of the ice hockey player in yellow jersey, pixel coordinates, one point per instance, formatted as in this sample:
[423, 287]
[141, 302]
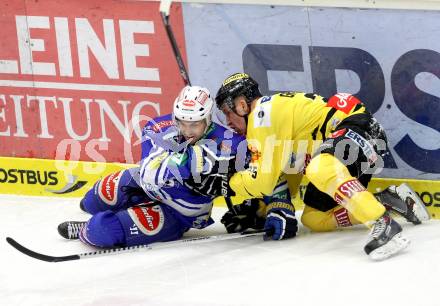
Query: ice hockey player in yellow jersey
[334, 142]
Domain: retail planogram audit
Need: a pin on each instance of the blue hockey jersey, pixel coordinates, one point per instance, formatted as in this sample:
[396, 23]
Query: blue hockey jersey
[170, 167]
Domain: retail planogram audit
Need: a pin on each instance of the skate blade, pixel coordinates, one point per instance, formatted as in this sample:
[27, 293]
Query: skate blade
[395, 245]
[405, 191]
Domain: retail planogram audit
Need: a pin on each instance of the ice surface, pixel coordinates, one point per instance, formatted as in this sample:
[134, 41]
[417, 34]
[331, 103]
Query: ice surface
[312, 269]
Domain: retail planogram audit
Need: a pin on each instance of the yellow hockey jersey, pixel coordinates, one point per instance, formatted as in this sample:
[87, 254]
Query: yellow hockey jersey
[283, 131]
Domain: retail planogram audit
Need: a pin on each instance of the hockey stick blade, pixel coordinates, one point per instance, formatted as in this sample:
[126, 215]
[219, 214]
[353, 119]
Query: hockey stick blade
[143, 247]
[39, 256]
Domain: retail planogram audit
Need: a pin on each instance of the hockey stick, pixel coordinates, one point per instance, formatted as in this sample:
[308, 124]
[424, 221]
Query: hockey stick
[164, 9]
[230, 205]
[131, 249]
[227, 199]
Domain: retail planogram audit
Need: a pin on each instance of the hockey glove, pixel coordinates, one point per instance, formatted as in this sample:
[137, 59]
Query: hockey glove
[280, 222]
[214, 185]
[249, 214]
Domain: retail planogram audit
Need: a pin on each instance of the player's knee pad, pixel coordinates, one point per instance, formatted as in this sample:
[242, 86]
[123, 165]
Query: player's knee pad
[116, 191]
[326, 172]
[146, 224]
[90, 202]
[103, 230]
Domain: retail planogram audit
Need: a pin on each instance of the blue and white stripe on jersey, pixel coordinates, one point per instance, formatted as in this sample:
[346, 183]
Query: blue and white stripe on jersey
[161, 180]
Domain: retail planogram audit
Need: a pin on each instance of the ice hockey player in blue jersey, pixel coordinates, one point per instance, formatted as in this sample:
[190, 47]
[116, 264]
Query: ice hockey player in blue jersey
[184, 155]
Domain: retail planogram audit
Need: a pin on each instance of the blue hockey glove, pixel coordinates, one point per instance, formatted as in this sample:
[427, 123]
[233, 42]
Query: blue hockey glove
[280, 222]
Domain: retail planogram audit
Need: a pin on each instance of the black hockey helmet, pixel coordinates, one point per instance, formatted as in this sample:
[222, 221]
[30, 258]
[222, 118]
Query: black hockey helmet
[238, 84]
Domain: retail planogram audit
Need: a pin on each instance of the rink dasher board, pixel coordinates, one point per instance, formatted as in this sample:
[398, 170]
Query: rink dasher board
[428, 190]
[72, 179]
[45, 177]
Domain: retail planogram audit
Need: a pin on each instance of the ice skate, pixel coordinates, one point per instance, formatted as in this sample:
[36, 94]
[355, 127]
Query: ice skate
[386, 239]
[70, 229]
[405, 202]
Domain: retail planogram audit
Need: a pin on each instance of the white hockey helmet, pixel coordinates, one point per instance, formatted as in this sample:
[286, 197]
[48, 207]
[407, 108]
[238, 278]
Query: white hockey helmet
[193, 103]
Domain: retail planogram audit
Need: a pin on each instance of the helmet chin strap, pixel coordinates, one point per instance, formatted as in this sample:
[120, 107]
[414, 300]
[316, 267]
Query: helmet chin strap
[208, 124]
[245, 116]
[234, 108]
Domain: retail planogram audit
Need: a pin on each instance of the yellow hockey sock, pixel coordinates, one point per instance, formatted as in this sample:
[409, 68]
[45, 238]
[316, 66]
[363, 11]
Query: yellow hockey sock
[329, 175]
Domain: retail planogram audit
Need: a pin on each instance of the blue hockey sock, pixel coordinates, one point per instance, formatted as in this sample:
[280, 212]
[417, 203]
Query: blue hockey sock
[103, 230]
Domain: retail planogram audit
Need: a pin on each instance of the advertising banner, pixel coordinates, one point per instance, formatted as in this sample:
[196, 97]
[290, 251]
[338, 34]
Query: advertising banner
[78, 79]
[43, 177]
[389, 58]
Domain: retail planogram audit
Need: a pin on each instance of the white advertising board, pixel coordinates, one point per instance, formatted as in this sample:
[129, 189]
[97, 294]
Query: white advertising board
[388, 58]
